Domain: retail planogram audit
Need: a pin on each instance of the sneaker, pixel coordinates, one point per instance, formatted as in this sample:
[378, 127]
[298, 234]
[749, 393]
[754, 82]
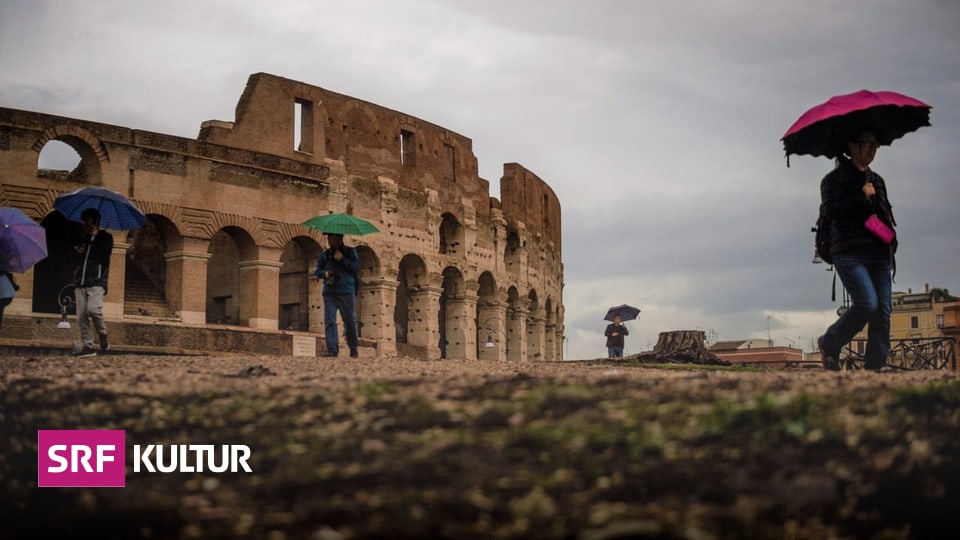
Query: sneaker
[104, 346]
[828, 362]
[354, 354]
[85, 352]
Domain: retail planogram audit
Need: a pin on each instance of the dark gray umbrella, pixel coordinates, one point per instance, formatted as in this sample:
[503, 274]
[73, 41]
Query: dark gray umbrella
[626, 313]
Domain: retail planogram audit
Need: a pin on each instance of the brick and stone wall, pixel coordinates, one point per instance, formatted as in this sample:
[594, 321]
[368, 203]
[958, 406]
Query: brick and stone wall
[451, 268]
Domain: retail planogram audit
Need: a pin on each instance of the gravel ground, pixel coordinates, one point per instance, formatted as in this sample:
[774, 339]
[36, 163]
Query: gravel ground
[160, 374]
[386, 447]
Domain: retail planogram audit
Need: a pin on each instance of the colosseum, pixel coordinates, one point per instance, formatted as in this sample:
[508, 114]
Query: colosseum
[224, 263]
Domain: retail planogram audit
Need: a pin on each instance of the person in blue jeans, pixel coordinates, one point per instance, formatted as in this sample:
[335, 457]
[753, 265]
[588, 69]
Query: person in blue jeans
[338, 266]
[865, 263]
[615, 332]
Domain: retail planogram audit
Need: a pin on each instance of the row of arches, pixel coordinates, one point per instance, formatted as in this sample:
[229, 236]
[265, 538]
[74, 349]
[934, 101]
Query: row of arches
[231, 279]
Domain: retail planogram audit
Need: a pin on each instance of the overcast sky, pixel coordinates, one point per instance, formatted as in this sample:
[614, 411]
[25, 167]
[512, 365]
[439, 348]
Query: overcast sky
[656, 123]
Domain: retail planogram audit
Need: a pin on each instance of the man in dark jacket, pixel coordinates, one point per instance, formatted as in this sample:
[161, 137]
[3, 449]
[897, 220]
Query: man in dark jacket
[90, 281]
[338, 267]
[615, 332]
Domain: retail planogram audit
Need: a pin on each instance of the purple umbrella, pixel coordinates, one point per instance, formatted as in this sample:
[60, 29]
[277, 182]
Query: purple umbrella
[824, 129]
[23, 243]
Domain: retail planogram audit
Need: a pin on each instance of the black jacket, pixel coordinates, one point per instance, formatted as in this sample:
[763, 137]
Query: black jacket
[615, 340]
[93, 265]
[841, 191]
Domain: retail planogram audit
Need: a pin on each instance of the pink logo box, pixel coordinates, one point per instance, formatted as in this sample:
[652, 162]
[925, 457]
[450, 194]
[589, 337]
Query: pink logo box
[81, 458]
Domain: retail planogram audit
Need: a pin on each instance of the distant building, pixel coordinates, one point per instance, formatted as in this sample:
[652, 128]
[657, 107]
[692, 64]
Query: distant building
[758, 352]
[932, 313]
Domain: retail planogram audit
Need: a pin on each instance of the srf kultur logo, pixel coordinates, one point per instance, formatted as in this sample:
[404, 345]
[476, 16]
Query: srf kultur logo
[81, 458]
[96, 458]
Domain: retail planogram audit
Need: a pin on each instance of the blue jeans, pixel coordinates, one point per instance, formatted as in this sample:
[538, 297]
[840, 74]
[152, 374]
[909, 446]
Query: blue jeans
[344, 303]
[614, 352]
[869, 284]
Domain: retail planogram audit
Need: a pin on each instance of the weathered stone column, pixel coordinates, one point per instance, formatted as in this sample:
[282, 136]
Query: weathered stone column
[550, 344]
[423, 326]
[516, 335]
[259, 290]
[378, 296]
[113, 301]
[186, 282]
[535, 349]
[461, 330]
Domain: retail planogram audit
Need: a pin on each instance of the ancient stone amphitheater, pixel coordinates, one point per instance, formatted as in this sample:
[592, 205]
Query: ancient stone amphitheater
[225, 264]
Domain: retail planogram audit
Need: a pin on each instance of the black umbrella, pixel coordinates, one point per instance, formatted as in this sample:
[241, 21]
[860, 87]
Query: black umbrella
[626, 313]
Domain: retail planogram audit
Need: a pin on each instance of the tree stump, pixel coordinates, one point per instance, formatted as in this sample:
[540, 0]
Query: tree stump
[682, 346]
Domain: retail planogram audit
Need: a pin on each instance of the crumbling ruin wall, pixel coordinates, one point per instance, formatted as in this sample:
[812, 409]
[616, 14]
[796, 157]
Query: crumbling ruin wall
[452, 267]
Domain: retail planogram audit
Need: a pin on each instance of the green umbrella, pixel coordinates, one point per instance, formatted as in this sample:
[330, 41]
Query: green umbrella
[341, 224]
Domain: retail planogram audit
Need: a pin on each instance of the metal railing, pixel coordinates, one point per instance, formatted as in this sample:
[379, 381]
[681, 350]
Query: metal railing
[909, 354]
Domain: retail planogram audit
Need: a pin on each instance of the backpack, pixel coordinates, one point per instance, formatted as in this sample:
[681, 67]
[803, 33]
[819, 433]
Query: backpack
[821, 238]
[821, 244]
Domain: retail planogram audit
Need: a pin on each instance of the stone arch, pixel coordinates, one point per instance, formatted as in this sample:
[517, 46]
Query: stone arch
[451, 235]
[92, 152]
[534, 306]
[550, 334]
[515, 325]
[535, 326]
[489, 316]
[411, 278]
[229, 247]
[288, 232]
[367, 278]
[53, 276]
[215, 222]
[297, 264]
[487, 287]
[145, 267]
[450, 316]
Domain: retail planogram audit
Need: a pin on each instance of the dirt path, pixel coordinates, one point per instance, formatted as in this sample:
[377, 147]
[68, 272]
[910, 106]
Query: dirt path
[395, 447]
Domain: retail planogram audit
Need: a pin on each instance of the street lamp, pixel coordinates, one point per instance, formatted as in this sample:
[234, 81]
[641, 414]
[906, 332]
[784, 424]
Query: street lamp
[490, 330]
[65, 300]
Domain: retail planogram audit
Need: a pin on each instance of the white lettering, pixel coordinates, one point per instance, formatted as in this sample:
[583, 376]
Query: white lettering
[101, 455]
[202, 450]
[144, 458]
[240, 449]
[184, 467]
[224, 463]
[232, 456]
[169, 467]
[81, 454]
[52, 454]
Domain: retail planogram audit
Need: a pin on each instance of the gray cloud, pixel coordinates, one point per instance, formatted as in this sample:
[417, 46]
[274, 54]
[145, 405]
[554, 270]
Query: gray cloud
[656, 124]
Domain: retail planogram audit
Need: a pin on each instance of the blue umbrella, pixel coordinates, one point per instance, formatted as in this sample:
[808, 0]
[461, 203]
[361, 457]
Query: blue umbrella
[626, 313]
[116, 212]
[23, 243]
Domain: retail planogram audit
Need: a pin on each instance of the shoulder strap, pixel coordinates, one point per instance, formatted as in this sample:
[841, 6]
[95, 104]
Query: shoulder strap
[833, 293]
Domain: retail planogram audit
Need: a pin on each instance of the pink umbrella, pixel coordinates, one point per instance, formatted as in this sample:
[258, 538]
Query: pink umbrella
[824, 129]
